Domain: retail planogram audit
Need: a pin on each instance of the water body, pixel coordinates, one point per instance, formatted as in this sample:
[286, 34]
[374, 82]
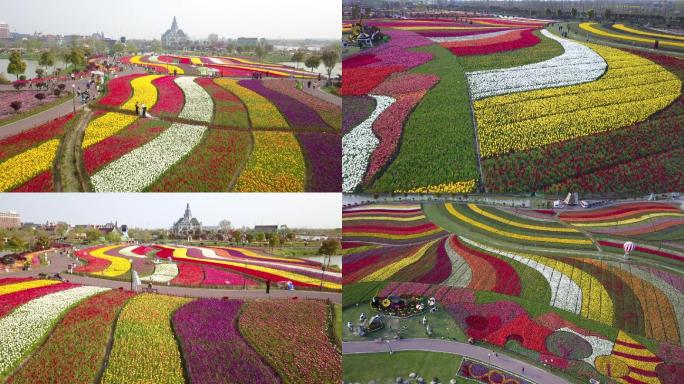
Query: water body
[31, 66]
[337, 70]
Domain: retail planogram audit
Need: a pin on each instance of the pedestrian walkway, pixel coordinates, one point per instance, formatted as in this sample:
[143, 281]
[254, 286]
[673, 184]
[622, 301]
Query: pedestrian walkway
[53, 113]
[317, 92]
[58, 264]
[532, 373]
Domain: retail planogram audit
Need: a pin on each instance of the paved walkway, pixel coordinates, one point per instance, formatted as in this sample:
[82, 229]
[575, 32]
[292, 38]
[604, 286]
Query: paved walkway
[504, 362]
[59, 264]
[50, 114]
[317, 92]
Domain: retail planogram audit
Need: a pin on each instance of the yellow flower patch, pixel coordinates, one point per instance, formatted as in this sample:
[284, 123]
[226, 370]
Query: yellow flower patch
[275, 165]
[24, 166]
[455, 187]
[388, 271]
[17, 287]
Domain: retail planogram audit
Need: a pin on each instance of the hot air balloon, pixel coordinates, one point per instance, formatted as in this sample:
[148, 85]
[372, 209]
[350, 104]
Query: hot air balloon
[628, 247]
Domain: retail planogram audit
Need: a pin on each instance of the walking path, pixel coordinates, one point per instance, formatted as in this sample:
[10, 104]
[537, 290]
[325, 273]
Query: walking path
[317, 92]
[58, 264]
[532, 373]
[53, 113]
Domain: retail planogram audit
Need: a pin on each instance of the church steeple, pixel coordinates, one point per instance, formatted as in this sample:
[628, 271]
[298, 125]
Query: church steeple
[174, 25]
[187, 211]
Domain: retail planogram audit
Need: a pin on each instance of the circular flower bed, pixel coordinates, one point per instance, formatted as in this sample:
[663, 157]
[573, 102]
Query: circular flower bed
[400, 306]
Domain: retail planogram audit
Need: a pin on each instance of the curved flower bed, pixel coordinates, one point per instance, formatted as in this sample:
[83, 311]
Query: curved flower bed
[358, 145]
[632, 89]
[10, 301]
[144, 331]
[356, 109]
[217, 276]
[210, 166]
[276, 164]
[228, 110]
[16, 144]
[141, 167]
[171, 98]
[118, 90]
[262, 113]
[188, 274]
[330, 113]
[578, 64]
[28, 324]
[26, 165]
[74, 352]
[163, 273]
[516, 40]
[298, 114]
[214, 350]
[199, 105]
[323, 152]
[299, 348]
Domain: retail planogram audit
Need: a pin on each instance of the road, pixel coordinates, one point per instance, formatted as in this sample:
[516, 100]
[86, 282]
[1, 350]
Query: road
[504, 362]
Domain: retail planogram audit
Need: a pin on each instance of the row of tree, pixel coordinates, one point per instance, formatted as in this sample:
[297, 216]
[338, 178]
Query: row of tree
[329, 57]
[75, 56]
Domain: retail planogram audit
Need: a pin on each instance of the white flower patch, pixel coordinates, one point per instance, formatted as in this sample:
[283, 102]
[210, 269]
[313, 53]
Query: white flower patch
[358, 144]
[599, 346]
[128, 252]
[139, 168]
[198, 103]
[447, 39]
[154, 59]
[565, 293]
[461, 273]
[27, 324]
[162, 273]
[578, 64]
[216, 60]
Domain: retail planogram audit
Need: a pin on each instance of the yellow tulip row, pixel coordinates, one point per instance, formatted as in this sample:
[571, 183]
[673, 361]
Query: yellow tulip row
[454, 212]
[276, 164]
[24, 166]
[262, 113]
[630, 220]
[169, 68]
[16, 287]
[388, 271]
[537, 118]
[118, 266]
[589, 27]
[145, 349]
[512, 223]
[455, 187]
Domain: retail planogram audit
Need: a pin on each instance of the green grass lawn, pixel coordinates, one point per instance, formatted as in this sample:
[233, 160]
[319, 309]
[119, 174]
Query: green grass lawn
[437, 144]
[385, 368]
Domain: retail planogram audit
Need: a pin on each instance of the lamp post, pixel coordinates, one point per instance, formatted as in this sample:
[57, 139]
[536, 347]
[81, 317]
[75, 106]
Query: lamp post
[73, 94]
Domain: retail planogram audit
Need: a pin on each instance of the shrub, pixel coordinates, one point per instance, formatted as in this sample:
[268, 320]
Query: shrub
[16, 105]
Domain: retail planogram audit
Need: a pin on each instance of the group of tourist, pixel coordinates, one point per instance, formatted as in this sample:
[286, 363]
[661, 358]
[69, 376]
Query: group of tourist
[140, 109]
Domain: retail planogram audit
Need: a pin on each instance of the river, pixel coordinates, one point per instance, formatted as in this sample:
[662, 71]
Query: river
[31, 66]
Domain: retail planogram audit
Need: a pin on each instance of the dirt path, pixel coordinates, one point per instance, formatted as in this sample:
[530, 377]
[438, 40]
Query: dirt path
[70, 175]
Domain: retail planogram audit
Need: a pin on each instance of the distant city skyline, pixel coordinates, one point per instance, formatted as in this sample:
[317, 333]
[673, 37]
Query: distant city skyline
[161, 210]
[291, 19]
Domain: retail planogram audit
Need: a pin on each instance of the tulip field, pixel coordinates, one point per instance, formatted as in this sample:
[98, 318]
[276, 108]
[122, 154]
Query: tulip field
[633, 35]
[204, 134]
[552, 286]
[507, 105]
[82, 334]
[204, 266]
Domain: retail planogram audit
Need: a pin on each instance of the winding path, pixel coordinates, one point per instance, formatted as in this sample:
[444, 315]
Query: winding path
[532, 373]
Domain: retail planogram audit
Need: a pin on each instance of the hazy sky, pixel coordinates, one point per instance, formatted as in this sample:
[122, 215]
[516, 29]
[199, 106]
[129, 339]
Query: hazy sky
[161, 210]
[150, 18]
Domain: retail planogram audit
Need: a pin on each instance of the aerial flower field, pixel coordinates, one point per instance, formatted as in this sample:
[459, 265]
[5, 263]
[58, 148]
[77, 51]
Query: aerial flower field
[204, 266]
[162, 339]
[551, 287]
[513, 107]
[201, 134]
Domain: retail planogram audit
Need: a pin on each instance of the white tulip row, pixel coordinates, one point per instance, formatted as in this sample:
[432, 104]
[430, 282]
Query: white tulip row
[399, 208]
[216, 60]
[154, 59]
[26, 325]
[139, 168]
[128, 252]
[358, 145]
[578, 64]
[599, 346]
[565, 293]
[199, 105]
[447, 39]
[162, 273]
[461, 273]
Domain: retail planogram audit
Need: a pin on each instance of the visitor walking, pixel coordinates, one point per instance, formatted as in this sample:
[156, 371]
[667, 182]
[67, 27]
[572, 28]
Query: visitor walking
[268, 286]
[137, 109]
[308, 84]
[144, 110]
